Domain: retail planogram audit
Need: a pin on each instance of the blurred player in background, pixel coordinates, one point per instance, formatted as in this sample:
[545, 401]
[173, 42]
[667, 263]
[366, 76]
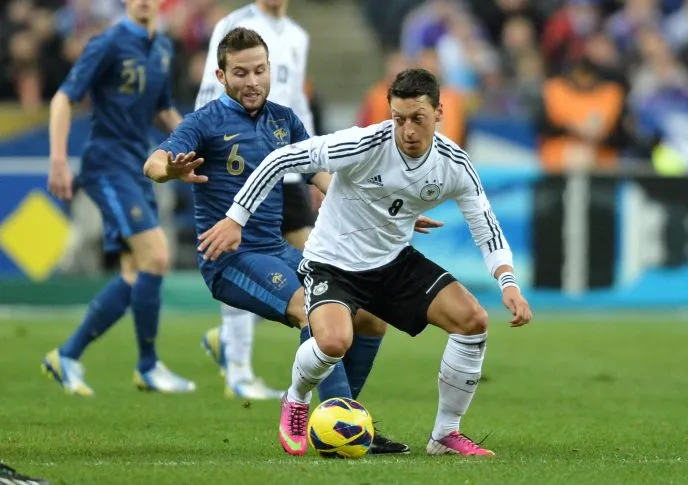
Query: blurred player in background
[126, 71]
[232, 344]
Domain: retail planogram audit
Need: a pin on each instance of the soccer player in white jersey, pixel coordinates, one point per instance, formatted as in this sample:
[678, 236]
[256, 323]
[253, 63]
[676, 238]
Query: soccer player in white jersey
[231, 345]
[359, 254]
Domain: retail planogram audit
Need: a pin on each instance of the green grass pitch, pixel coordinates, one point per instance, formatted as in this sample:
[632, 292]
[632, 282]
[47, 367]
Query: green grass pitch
[565, 401]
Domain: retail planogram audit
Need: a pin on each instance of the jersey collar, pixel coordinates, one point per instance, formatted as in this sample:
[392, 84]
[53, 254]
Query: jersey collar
[236, 106]
[277, 23]
[135, 28]
[410, 162]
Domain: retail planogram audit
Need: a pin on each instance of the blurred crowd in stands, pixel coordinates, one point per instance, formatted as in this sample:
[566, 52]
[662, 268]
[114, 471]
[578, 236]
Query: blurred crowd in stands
[40, 39]
[603, 80]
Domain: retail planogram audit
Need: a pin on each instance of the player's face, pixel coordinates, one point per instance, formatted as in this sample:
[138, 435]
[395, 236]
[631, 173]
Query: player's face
[247, 77]
[143, 11]
[415, 120]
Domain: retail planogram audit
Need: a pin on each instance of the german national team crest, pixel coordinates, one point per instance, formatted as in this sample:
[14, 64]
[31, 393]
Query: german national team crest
[430, 192]
[278, 280]
[280, 133]
[320, 288]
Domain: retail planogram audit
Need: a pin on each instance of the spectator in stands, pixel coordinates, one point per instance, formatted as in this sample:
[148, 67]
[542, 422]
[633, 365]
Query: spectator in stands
[518, 39]
[375, 108]
[602, 52]
[496, 14]
[53, 65]
[580, 123]
[565, 32]
[385, 19]
[26, 74]
[676, 28]
[635, 15]
[423, 27]
[658, 66]
[529, 77]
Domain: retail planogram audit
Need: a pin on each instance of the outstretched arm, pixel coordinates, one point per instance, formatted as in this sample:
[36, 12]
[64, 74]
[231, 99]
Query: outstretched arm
[488, 236]
[175, 158]
[164, 166]
[329, 153]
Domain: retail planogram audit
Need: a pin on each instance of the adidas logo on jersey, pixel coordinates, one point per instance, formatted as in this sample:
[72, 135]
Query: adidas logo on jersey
[377, 180]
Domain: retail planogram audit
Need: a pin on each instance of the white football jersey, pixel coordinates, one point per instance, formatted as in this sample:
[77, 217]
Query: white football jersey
[288, 50]
[376, 195]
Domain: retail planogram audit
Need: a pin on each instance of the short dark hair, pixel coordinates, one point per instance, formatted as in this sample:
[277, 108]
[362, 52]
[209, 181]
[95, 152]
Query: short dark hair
[236, 40]
[413, 83]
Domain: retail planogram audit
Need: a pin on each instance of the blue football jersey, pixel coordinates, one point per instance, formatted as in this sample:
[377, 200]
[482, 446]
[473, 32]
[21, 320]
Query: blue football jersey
[128, 77]
[233, 144]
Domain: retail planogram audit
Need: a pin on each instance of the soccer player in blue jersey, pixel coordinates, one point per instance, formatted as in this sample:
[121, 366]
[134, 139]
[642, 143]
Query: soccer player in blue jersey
[126, 71]
[231, 135]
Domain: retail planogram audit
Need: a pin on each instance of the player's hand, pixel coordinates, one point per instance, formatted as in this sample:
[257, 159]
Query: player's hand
[517, 305]
[60, 181]
[424, 224]
[223, 237]
[183, 167]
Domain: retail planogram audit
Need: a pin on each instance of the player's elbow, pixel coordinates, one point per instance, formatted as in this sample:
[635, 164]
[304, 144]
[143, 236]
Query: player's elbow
[60, 101]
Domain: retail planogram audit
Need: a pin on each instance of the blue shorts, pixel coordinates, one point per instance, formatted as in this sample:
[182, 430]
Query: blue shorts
[260, 283]
[127, 207]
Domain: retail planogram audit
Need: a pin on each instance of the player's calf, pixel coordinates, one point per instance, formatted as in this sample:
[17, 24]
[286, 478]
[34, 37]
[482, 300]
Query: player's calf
[456, 311]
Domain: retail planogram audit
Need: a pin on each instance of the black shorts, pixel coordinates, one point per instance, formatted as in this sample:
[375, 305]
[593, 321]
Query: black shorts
[399, 292]
[297, 212]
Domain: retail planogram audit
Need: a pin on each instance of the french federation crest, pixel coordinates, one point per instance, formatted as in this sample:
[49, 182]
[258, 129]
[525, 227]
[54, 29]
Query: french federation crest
[320, 288]
[278, 280]
[430, 192]
[136, 212]
[280, 133]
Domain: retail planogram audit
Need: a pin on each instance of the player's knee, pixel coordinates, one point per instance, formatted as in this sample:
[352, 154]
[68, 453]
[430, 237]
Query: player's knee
[129, 276]
[334, 344]
[332, 328]
[471, 321]
[476, 321]
[156, 263]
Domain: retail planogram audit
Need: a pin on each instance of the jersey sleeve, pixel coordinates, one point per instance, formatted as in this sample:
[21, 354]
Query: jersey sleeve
[477, 211]
[186, 137]
[210, 87]
[338, 151]
[90, 65]
[298, 129]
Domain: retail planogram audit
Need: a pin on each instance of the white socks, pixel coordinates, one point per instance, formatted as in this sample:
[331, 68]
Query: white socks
[311, 367]
[237, 335]
[458, 378]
